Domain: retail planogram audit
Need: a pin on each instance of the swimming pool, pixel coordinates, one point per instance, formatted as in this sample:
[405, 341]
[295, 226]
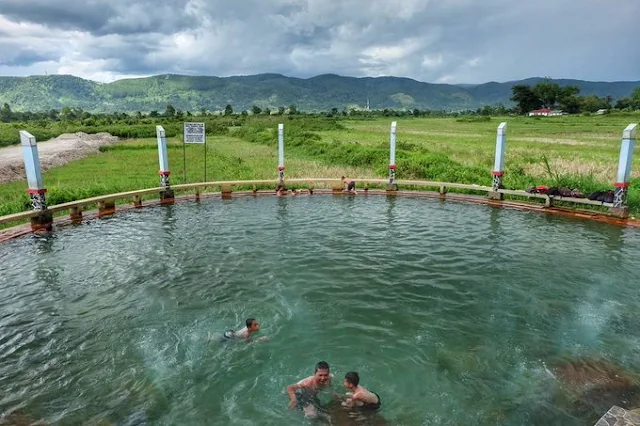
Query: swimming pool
[453, 313]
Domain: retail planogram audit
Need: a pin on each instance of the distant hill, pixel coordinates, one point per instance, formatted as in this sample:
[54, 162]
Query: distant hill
[323, 92]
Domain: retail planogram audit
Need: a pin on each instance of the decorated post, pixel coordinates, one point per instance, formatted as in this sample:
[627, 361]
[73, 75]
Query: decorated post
[498, 167]
[36, 188]
[166, 195]
[392, 159]
[623, 180]
[281, 152]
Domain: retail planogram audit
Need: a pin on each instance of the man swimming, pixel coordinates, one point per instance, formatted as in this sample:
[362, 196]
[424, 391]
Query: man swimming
[303, 394]
[252, 327]
[351, 185]
[361, 397]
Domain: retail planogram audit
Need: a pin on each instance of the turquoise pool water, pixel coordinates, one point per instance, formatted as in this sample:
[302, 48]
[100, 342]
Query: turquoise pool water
[455, 314]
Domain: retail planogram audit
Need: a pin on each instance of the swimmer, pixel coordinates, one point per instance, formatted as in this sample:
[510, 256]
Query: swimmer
[351, 185]
[360, 397]
[251, 328]
[281, 190]
[303, 394]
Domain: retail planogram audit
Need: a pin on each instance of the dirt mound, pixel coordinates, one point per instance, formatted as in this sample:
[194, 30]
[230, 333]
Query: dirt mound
[53, 153]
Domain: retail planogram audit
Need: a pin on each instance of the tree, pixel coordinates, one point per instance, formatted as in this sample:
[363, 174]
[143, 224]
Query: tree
[67, 113]
[607, 100]
[255, 110]
[244, 113]
[526, 99]
[569, 99]
[267, 111]
[293, 109]
[547, 92]
[228, 110]
[280, 110]
[5, 113]
[591, 103]
[153, 114]
[500, 110]
[486, 110]
[635, 97]
[203, 112]
[179, 113]
[170, 111]
[624, 103]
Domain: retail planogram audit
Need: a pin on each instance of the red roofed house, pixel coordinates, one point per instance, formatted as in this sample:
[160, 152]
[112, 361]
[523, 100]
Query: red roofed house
[547, 112]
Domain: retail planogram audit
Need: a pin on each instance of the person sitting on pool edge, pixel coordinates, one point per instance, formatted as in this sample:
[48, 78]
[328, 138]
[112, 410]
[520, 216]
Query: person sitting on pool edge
[252, 327]
[361, 397]
[351, 184]
[303, 394]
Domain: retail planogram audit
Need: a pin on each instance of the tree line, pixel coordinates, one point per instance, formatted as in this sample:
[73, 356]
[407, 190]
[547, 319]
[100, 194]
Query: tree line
[546, 94]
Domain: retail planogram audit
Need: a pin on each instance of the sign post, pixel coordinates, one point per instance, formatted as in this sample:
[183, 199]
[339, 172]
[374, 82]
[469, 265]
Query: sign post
[195, 133]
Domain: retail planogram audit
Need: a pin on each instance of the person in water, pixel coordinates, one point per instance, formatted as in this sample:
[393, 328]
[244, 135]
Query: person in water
[351, 184]
[281, 190]
[246, 333]
[304, 394]
[359, 395]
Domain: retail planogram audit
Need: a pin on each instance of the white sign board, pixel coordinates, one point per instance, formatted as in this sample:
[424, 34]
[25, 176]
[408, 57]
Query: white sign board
[194, 133]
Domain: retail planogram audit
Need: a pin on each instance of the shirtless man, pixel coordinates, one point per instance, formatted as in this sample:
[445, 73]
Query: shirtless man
[361, 397]
[304, 393]
[351, 184]
[245, 333]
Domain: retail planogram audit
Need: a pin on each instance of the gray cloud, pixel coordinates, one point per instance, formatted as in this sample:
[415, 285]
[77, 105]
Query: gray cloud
[102, 17]
[13, 56]
[85, 15]
[429, 40]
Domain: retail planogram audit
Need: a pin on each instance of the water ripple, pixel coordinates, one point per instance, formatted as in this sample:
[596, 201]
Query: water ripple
[449, 311]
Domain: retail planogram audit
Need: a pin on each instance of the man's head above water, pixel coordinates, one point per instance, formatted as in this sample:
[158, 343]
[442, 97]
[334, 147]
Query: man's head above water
[321, 372]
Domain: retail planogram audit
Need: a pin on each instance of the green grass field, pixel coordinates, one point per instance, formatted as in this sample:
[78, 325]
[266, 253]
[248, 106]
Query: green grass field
[581, 152]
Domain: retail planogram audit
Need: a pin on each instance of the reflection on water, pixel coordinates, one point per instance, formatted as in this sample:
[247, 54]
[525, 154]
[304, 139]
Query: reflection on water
[453, 313]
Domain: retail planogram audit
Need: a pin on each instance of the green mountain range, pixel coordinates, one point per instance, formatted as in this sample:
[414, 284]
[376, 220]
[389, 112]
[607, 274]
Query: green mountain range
[321, 93]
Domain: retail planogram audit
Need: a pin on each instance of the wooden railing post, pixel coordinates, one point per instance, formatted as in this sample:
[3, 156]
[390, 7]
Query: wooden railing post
[75, 213]
[225, 190]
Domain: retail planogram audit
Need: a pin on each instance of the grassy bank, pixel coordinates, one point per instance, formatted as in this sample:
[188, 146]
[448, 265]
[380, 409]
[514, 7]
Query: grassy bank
[579, 152]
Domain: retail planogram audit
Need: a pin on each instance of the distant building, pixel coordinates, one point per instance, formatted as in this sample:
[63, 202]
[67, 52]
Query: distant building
[546, 112]
[602, 111]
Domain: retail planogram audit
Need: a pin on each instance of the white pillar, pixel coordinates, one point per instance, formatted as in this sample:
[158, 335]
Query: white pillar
[624, 167]
[36, 189]
[392, 154]
[498, 166]
[281, 151]
[163, 157]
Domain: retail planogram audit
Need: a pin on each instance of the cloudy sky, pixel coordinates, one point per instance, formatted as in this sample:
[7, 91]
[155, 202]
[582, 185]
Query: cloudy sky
[445, 41]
